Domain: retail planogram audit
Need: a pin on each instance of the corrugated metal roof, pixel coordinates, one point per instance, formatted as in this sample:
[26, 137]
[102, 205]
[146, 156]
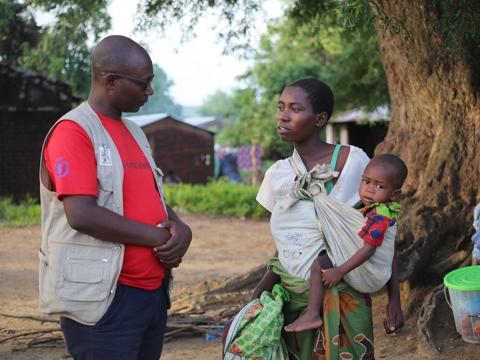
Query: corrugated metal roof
[381, 113]
[144, 120]
[199, 120]
[147, 119]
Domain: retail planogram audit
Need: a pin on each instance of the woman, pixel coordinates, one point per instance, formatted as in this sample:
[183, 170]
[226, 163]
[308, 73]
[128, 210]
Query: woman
[303, 110]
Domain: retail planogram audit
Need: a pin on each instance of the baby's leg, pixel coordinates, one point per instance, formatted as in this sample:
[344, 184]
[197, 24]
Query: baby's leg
[476, 255]
[312, 319]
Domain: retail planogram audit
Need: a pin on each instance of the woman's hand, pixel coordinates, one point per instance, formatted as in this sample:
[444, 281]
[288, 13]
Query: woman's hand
[332, 276]
[394, 320]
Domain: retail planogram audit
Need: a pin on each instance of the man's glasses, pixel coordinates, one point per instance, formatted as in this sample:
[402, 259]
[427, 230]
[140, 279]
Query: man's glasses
[144, 84]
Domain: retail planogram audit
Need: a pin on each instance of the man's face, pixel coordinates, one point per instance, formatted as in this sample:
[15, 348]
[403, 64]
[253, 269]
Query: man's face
[133, 86]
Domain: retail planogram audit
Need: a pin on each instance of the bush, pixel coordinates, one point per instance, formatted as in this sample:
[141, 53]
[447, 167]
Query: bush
[25, 212]
[218, 198]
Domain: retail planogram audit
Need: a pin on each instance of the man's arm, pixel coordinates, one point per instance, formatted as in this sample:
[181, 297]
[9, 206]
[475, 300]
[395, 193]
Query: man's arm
[84, 215]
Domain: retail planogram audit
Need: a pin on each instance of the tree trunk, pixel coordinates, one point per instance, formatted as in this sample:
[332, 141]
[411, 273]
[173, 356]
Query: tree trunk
[435, 129]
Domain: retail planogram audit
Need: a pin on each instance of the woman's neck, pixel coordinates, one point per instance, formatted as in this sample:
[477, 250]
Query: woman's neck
[315, 151]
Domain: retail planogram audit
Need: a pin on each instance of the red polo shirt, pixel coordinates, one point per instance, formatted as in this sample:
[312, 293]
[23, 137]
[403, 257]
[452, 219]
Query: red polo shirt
[70, 161]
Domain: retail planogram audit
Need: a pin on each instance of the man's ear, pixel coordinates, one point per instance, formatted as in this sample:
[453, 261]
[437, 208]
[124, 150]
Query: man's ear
[109, 81]
[321, 120]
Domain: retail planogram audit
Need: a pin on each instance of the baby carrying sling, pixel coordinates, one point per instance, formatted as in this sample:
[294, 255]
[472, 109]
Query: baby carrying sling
[340, 225]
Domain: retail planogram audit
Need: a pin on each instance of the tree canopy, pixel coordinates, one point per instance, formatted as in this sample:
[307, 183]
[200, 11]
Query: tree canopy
[18, 30]
[59, 49]
[349, 61]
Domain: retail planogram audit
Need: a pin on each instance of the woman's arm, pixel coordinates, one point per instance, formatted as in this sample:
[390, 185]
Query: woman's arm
[394, 320]
[267, 282]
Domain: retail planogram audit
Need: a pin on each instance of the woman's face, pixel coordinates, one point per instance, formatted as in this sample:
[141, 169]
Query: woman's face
[296, 121]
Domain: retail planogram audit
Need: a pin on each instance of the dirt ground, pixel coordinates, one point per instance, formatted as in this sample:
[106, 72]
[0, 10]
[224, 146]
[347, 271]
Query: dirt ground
[221, 247]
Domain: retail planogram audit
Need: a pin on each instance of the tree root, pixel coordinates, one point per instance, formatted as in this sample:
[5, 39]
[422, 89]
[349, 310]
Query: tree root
[426, 317]
[29, 334]
[201, 311]
[441, 267]
[28, 317]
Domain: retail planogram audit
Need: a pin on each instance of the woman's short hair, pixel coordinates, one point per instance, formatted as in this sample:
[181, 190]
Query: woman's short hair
[318, 93]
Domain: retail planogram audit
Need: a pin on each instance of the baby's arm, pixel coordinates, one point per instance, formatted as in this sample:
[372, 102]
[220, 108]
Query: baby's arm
[332, 276]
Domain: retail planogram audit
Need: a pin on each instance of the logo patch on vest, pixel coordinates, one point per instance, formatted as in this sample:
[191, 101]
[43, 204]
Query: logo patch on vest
[104, 155]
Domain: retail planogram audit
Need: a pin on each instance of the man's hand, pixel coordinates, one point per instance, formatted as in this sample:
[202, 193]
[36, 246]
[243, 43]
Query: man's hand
[394, 320]
[169, 264]
[331, 276]
[171, 253]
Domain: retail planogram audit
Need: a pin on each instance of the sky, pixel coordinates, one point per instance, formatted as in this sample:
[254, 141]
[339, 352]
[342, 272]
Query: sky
[197, 67]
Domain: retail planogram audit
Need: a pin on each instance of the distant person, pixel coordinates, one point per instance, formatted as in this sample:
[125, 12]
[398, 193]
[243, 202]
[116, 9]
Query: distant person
[217, 161]
[109, 240]
[476, 236]
[381, 185]
[229, 167]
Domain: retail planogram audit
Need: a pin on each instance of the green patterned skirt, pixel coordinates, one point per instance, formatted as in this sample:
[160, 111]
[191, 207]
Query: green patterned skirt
[347, 332]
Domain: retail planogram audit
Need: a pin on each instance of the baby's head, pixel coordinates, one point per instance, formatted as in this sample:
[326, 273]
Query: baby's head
[382, 179]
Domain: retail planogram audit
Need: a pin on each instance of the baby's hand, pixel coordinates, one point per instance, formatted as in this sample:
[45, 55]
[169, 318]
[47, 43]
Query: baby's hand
[331, 276]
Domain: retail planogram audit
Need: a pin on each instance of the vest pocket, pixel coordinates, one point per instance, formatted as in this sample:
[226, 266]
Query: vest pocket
[85, 273]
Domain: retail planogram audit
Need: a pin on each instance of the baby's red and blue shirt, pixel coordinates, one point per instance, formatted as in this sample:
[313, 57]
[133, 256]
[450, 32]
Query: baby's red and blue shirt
[379, 217]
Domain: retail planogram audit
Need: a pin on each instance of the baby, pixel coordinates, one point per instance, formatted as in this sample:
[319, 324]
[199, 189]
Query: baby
[380, 186]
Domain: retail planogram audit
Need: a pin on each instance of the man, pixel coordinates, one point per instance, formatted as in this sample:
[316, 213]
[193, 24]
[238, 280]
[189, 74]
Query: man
[104, 261]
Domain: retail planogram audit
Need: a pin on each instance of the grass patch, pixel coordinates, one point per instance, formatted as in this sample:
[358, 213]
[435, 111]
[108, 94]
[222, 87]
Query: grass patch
[26, 212]
[217, 198]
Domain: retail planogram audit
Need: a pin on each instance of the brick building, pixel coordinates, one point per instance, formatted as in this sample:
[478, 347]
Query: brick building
[184, 152]
[29, 105]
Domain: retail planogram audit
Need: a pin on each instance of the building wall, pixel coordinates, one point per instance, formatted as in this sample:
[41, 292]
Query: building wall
[29, 105]
[182, 149]
[367, 137]
[21, 142]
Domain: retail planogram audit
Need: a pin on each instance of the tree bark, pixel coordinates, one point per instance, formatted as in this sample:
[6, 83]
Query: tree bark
[435, 129]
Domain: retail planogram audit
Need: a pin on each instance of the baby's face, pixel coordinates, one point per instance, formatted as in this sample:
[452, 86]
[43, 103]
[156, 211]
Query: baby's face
[377, 185]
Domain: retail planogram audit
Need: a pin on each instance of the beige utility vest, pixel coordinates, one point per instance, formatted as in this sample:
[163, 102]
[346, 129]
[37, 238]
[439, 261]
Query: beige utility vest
[78, 273]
